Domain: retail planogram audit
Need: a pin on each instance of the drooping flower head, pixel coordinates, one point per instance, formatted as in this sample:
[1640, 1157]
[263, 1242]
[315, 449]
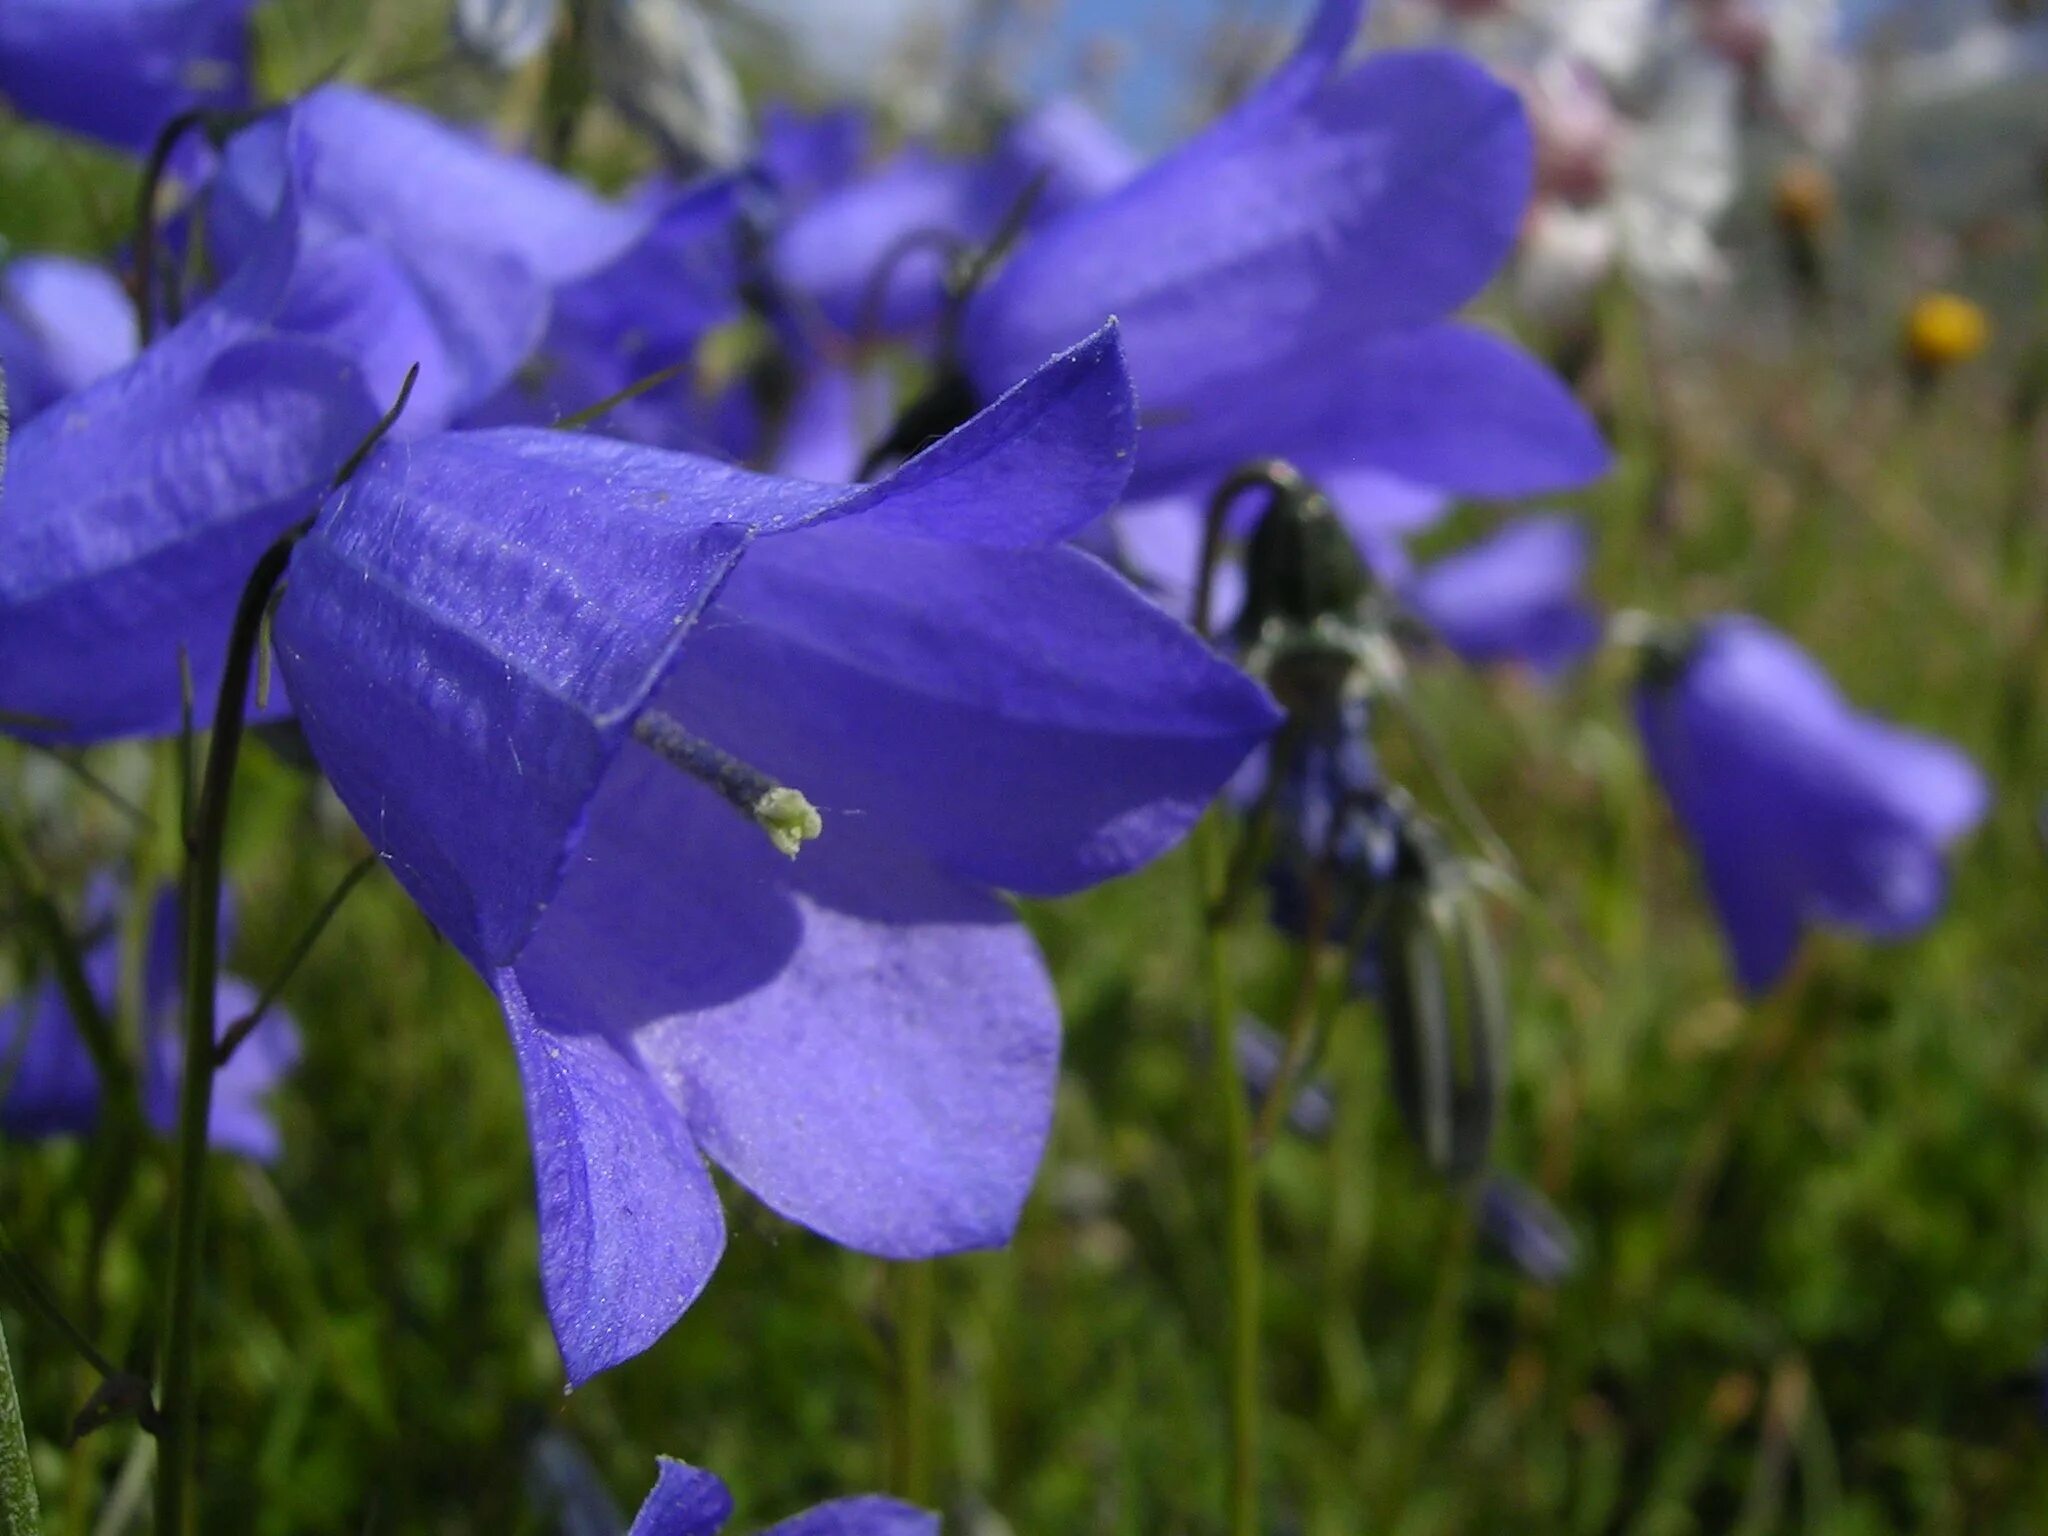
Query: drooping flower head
[49, 1085]
[1800, 809]
[543, 670]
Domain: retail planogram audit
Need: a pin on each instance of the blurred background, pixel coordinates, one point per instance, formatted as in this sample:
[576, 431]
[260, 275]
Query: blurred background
[1804, 1285]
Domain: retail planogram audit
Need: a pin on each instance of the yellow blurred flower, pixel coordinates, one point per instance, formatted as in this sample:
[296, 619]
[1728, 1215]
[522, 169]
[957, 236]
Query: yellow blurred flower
[1943, 330]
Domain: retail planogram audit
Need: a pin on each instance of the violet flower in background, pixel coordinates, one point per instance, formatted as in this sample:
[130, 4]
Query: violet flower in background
[1515, 596]
[689, 1502]
[64, 323]
[1521, 1226]
[492, 640]
[136, 506]
[120, 70]
[50, 1087]
[1312, 1111]
[1800, 809]
[1284, 279]
[453, 265]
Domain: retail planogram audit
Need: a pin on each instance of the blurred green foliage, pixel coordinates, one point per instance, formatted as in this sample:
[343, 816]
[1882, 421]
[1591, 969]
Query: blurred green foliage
[1815, 1233]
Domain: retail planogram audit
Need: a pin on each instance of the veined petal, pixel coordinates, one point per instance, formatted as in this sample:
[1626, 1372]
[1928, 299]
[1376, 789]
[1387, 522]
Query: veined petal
[1022, 716]
[471, 630]
[630, 1224]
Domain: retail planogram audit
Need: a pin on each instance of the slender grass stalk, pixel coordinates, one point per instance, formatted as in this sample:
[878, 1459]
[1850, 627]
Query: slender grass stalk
[915, 1297]
[202, 892]
[1241, 1222]
[20, 1514]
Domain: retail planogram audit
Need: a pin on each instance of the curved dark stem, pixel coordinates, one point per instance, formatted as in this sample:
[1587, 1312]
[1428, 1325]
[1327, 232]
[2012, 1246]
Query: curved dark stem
[153, 171]
[205, 844]
[1275, 475]
[952, 246]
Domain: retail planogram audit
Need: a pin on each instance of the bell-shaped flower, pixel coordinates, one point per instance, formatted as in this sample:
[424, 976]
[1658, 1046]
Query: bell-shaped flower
[63, 324]
[136, 506]
[687, 1501]
[465, 244]
[542, 676]
[119, 70]
[49, 1085]
[1284, 282]
[1522, 1227]
[1514, 597]
[1800, 809]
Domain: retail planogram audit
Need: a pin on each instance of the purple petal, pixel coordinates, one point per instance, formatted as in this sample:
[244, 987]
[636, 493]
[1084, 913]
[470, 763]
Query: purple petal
[137, 506]
[1079, 156]
[685, 1502]
[118, 70]
[805, 155]
[1514, 597]
[1272, 248]
[63, 324]
[630, 1224]
[1020, 715]
[48, 1085]
[1379, 507]
[891, 1088]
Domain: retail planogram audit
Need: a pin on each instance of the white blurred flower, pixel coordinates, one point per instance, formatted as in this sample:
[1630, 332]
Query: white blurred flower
[659, 64]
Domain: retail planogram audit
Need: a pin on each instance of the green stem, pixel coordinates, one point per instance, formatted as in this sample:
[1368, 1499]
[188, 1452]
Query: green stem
[916, 1298]
[202, 894]
[1240, 1190]
[18, 1507]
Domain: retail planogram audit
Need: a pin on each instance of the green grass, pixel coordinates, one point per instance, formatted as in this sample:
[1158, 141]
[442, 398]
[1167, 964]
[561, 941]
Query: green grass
[1819, 1340]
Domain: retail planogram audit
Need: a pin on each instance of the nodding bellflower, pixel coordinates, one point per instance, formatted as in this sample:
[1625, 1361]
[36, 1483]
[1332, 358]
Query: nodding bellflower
[1284, 279]
[63, 324]
[1512, 597]
[1800, 809]
[119, 70]
[687, 1501]
[136, 505]
[503, 644]
[50, 1087]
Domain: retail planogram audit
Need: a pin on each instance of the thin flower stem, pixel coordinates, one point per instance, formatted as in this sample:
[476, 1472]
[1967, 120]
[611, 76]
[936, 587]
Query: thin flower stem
[202, 893]
[245, 1026]
[916, 1305]
[1241, 1226]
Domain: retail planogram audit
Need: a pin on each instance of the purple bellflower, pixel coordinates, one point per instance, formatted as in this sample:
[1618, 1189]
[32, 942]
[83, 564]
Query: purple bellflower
[504, 645]
[1800, 809]
[63, 324]
[449, 250]
[119, 70]
[1513, 597]
[48, 1083]
[870, 255]
[689, 1502]
[136, 506]
[804, 156]
[1284, 279]
[641, 314]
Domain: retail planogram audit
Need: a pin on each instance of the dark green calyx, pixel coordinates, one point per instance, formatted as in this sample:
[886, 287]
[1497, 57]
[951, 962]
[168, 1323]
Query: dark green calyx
[1300, 565]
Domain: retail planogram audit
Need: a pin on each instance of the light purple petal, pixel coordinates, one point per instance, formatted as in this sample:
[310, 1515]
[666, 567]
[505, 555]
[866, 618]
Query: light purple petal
[630, 1224]
[63, 324]
[869, 1515]
[892, 1086]
[1513, 597]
